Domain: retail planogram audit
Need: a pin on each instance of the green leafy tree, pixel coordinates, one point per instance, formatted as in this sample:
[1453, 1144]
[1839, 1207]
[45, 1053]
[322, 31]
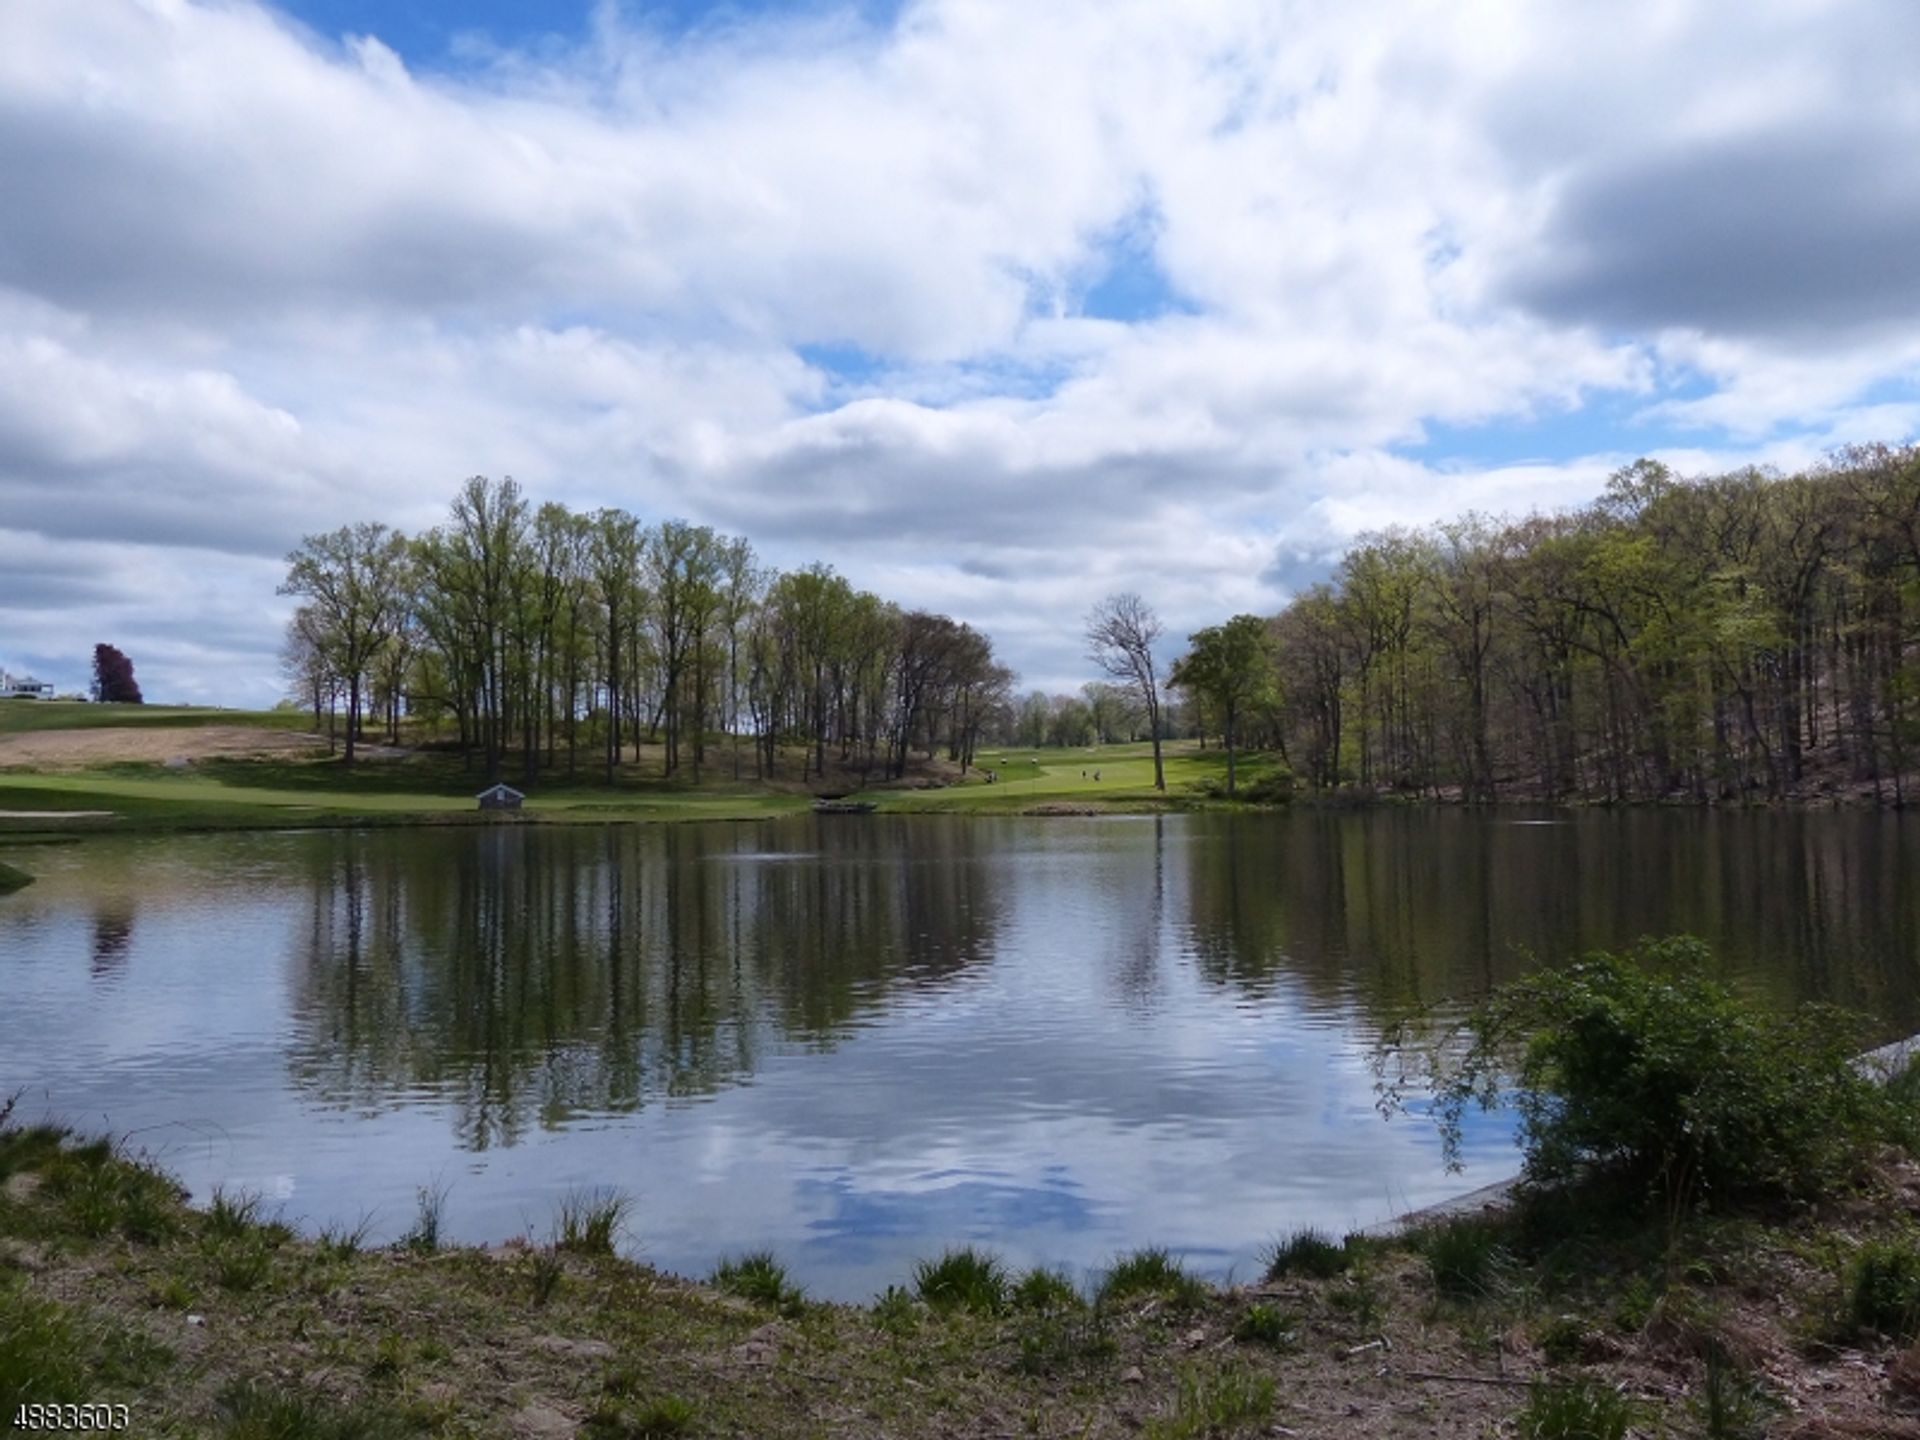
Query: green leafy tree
[1230, 668]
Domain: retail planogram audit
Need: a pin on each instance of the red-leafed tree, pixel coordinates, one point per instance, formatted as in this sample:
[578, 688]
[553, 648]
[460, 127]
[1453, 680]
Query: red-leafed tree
[113, 682]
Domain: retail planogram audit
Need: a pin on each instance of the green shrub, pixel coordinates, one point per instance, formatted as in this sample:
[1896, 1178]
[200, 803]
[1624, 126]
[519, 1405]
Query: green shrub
[1307, 1252]
[1642, 1065]
[1883, 1288]
[758, 1277]
[963, 1279]
[1574, 1409]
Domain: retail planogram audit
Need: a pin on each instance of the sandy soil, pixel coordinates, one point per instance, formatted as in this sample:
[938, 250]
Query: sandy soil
[75, 749]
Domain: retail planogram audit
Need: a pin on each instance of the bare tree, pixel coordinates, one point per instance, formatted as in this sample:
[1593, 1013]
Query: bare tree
[1121, 631]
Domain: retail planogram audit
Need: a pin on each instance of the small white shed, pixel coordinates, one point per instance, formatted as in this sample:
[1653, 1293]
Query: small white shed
[500, 797]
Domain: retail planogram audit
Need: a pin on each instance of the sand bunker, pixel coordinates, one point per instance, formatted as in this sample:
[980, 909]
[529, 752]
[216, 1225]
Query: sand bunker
[75, 749]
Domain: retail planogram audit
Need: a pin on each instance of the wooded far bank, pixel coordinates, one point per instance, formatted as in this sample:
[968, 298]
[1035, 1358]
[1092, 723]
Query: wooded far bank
[1738, 636]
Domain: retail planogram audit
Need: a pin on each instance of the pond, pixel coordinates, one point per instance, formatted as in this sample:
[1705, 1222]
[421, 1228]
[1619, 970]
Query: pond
[858, 1039]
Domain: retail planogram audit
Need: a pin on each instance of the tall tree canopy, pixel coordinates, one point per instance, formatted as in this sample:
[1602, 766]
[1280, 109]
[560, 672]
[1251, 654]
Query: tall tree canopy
[1121, 632]
[532, 628]
[113, 682]
[1749, 634]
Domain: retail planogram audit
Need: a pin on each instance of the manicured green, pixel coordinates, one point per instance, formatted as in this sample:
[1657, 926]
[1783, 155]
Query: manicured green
[18, 717]
[1036, 778]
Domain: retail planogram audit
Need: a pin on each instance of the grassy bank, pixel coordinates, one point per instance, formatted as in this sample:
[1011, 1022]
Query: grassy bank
[1719, 1237]
[224, 1323]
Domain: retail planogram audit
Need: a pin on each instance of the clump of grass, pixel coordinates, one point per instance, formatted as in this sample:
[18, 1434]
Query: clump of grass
[230, 1215]
[25, 1148]
[1152, 1272]
[1731, 1404]
[169, 1292]
[239, 1262]
[963, 1279]
[254, 1410]
[430, 1213]
[1309, 1252]
[1215, 1404]
[41, 1358]
[589, 1221]
[759, 1277]
[1464, 1256]
[1051, 1339]
[390, 1356]
[1574, 1408]
[656, 1419]
[343, 1242]
[1883, 1288]
[896, 1312]
[1563, 1339]
[545, 1271]
[1043, 1289]
[49, 1356]
[1263, 1324]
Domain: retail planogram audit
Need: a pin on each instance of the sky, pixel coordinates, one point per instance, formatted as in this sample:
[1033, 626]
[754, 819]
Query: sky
[996, 307]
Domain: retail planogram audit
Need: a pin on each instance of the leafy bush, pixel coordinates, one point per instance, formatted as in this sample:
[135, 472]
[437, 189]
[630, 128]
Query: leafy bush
[1641, 1064]
[1883, 1288]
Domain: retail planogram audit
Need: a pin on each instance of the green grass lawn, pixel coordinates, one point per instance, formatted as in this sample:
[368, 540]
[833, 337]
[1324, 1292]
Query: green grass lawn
[20, 716]
[435, 787]
[1032, 777]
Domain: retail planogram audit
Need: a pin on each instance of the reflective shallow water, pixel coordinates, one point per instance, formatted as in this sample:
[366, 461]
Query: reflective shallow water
[857, 1039]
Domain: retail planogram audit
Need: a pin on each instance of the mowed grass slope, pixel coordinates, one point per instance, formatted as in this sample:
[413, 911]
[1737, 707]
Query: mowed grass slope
[20, 717]
[1099, 776]
[295, 787]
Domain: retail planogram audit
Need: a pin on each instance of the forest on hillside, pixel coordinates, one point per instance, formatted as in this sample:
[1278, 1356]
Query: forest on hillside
[532, 635]
[1744, 635]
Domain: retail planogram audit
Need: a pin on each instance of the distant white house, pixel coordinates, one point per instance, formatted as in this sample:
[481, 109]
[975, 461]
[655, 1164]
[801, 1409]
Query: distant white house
[23, 687]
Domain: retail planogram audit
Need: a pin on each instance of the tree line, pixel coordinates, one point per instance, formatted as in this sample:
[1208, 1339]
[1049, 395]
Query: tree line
[1721, 637]
[536, 634]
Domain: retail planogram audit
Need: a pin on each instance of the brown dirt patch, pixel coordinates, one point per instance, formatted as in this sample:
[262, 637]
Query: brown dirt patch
[77, 749]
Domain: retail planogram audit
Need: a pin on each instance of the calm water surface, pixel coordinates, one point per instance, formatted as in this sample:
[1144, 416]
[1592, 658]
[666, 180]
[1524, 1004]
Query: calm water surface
[858, 1039]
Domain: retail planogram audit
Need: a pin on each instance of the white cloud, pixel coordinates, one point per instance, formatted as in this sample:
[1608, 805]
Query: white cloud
[259, 281]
